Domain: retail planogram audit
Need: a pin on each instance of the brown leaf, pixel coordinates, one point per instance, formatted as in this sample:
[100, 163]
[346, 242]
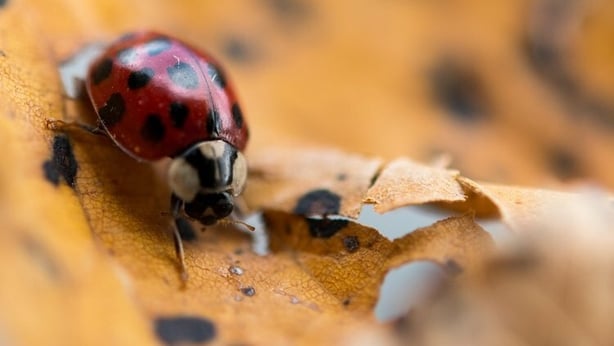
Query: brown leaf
[551, 286]
[350, 260]
[85, 241]
[403, 182]
[309, 181]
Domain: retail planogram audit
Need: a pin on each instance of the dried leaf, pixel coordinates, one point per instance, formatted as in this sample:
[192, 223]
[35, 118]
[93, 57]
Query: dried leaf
[350, 260]
[85, 229]
[282, 179]
[403, 182]
[550, 286]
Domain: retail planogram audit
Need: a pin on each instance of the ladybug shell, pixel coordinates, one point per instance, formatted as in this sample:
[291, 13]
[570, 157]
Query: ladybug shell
[157, 96]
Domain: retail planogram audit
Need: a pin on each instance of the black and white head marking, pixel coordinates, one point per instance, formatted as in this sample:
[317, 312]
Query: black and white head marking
[209, 167]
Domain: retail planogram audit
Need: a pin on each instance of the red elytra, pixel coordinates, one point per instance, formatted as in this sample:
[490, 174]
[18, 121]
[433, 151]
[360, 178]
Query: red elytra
[156, 96]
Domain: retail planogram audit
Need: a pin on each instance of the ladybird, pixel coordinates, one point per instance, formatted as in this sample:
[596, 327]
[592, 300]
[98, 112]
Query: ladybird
[156, 97]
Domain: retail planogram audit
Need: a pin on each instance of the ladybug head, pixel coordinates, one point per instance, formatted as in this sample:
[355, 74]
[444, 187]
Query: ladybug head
[208, 208]
[206, 177]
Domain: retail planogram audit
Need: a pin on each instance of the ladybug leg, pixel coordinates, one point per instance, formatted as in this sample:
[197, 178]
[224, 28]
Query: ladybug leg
[59, 125]
[176, 205]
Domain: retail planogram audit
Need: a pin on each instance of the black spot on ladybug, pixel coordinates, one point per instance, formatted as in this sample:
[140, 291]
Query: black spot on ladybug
[351, 243]
[153, 130]
[248, 291]
[62, 163]
[346, 301]
[186, 231]
[157, 46]
[139, 79]
[102, 71]
[113, 110]
[318, 202]
[237, 115]
[564, 164]
[179, 113]
[216, 75]
[213, 123]
[342, 176]
[3, 3]
[127, 56]
[325, 228]
[459, 89]
[183, 75]
[185, 329]
[452, 267]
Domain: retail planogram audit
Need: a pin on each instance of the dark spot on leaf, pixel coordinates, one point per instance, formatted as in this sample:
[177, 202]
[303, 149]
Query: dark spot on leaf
[139, 79]
[183, 75]
[237, 115]
[186, 231]
[42, 257]
[113, 110]
[62, 163]
[459, 89]
[375, 176]
[248, 291]
[239, 50]
[564, 164]
[102, 71]
[235, 270]
[452, 267]
[185, 329]
[318, 202]
[351, 243]
[403, 325]
[290, 11]
[346, 301]
[179, 113]
[524, 259]
[51, 172]
[548, 57]
[325, 228]
[157, 46]
[153, 130]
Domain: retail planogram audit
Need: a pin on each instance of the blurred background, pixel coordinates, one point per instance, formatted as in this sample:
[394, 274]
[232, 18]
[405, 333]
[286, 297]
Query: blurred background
[517, 92]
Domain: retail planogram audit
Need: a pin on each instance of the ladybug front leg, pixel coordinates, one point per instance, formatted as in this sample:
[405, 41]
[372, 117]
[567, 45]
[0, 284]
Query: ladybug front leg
[176, 206]
[61, 125]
